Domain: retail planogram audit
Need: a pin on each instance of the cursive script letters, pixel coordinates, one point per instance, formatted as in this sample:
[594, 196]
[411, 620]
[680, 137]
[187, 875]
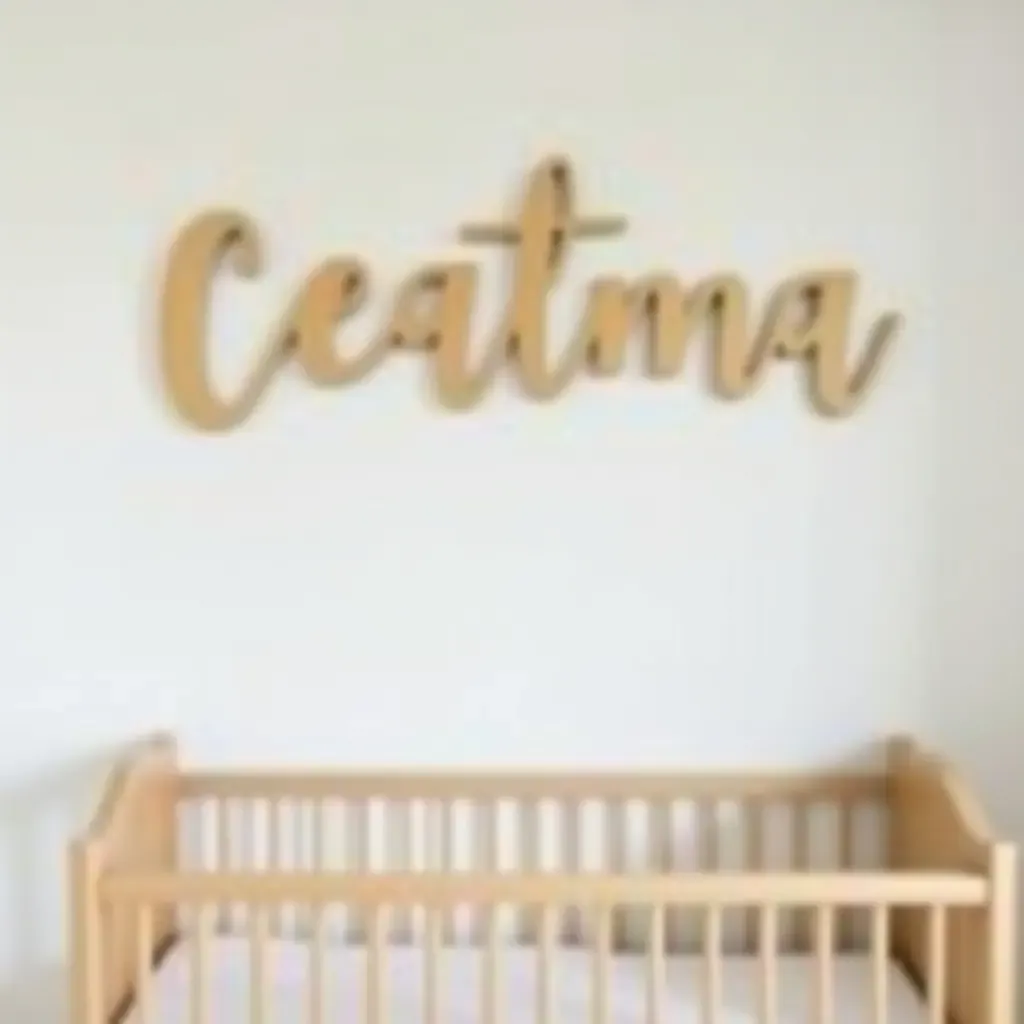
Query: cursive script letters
[194, 260]
[807, 318]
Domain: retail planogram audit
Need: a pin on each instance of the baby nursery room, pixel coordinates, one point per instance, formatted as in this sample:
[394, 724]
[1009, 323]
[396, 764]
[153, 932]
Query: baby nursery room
[509, 512]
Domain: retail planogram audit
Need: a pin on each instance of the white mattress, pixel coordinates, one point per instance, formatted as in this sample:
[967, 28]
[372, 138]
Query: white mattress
[288, 968]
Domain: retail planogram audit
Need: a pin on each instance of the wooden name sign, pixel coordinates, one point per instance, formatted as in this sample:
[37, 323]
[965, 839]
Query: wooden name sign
[808, 317]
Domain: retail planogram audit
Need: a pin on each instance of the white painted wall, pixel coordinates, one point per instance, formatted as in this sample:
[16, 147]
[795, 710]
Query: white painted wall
[981, 502]
[635, 574]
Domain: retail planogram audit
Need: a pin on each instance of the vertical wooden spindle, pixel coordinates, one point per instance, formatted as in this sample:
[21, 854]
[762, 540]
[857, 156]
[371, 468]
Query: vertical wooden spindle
[317, 975]
[802, 916]
[846, 917]
[616, 821]
[447, 852]
[707, 843]
[937, 965]
[656, 965]
[399, 833]
[318, 854]
[88, 982]
[546, 965]
[491, 991]
[880, 963]
[375, 1002]
[144, 963]
[274, 857]
[357, 856]
[529, 862]
[246, 852]
[755, 859]
[769, 929]
[259, 994]
[432, 939]
[824, 944]
[708, 854]
[602, 965]
[302, 860]
[486, 860]
[199, 991]
[572, 862]
[320, 814]
[713, 964]
[674, 918]
[225, 862]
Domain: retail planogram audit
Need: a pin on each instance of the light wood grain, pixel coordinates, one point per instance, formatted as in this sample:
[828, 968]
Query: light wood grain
[944, 904]
[808, 318]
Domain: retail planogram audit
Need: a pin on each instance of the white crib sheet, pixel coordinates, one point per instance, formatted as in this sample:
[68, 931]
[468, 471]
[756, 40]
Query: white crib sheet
[288, 969]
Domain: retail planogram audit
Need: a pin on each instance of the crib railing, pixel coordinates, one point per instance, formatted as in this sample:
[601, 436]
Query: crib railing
[532, 823]
[379, 896]
[899, 863]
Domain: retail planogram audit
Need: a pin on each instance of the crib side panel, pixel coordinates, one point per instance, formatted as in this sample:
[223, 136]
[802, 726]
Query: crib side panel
[135, 828]
[589, 823]
[937, 825]
[365, 985]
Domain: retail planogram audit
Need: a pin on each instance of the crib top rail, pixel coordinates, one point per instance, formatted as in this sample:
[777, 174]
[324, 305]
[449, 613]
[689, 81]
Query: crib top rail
[924, 792]
[486, 784]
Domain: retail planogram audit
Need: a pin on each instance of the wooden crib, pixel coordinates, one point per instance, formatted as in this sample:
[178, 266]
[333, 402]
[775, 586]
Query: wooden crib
[667, 880]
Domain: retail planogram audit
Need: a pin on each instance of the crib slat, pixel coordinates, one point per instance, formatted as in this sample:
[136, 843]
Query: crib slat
[245, 857]
[769, 964]
[937, 965]
[674, 917]
[658, 840]
[320, 809]
[317, 979]
[432, 967]
[754, 828]
[259, 995]
[572, 861]
[144, 963]
[303, 815]
[824, 945]
[302, 860]
[491, 988]
[357, 842]
[486, 859]
[706, 823]
[847, 916]
[274, 857]
[615, 842]
[375, 1002]
[529, 861]
[801, 917]
[200, 980]
[708, 855]
[656, 965]
[88, 978]
[546, 966]
[247, 836]
[399, 834]
[713, 965]
[880, 963]
[602, 965]
[224, 859]
[446, 825]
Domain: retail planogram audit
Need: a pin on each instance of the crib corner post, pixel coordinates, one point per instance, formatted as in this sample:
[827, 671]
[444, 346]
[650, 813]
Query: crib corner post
[899, 751]
[85, 988]
[1001, 944]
